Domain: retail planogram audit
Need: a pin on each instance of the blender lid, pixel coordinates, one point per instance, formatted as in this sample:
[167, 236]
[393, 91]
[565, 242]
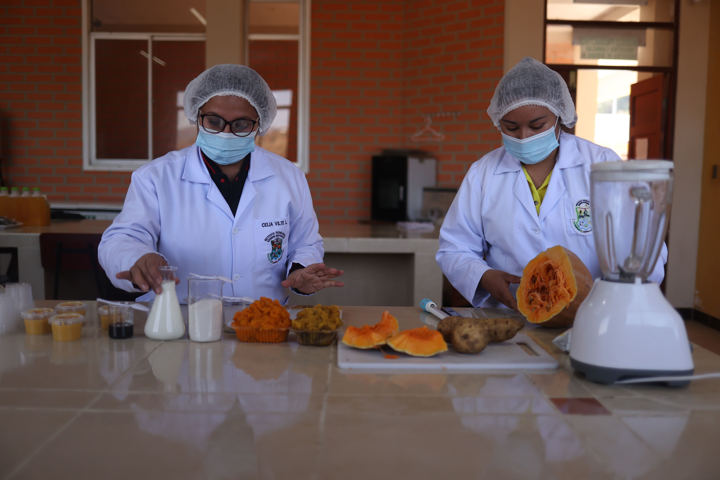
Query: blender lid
[632, 165]
[632, 170]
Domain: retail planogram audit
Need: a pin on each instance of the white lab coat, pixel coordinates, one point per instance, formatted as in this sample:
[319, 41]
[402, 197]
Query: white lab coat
[493, 224]
[174, 208]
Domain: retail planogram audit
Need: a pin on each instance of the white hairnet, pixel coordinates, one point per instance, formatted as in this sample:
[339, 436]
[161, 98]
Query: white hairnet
[230, 79]
[532, 83]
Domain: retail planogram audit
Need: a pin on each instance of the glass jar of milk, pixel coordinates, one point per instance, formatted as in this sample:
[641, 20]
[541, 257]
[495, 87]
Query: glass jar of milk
[165, 321]
[205, 318]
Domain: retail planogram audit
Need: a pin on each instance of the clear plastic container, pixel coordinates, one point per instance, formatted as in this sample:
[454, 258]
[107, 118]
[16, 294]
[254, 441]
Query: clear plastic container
[317, 325]
[71, 307]
[37, 320]
[104, 316]
[261, 335]
[205, 317]
[66, 327]
[122, 321]
[317, 338]
[232, 305]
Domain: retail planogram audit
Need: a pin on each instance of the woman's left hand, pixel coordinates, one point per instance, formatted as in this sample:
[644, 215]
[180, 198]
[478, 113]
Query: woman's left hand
[313, 278]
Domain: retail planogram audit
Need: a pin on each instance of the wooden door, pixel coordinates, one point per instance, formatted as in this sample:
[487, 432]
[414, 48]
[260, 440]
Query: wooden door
[707, 277]
[648, 118]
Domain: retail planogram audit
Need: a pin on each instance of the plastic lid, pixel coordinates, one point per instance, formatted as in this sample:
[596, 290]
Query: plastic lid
[66, 318]
[70, 307]
[237, 300]
[71, 304]
[632, 171]
[39, 312]
[633, 165]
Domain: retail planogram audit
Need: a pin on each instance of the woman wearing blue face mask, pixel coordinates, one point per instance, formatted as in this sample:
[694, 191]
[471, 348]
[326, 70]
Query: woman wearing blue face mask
[223, 206]
[529, 195]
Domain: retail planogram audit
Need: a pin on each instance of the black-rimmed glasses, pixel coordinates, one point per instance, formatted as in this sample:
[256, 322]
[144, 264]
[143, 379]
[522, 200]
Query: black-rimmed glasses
[241, 127]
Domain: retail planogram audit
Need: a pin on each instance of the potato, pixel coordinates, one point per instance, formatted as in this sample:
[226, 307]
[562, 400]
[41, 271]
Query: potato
[502, 329]
[469, 336]
[446, 326]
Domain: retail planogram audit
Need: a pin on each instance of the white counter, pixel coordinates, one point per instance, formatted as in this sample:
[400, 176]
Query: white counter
[383, 266]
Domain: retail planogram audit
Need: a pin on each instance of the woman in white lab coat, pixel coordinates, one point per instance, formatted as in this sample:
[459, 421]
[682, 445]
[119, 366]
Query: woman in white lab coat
[222, 206]
[526, 196]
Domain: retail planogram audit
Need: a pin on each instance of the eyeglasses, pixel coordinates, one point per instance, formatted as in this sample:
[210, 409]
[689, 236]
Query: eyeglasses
[241, 127]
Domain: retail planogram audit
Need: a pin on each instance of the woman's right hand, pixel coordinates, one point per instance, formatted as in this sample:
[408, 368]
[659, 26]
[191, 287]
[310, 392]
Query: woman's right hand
[497, 284]
[145, 274]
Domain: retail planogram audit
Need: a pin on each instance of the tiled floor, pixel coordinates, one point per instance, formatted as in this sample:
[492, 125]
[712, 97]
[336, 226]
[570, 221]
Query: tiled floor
[703, 335]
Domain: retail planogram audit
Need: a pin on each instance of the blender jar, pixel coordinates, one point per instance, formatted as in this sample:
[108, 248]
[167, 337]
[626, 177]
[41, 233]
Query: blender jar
[631, 205]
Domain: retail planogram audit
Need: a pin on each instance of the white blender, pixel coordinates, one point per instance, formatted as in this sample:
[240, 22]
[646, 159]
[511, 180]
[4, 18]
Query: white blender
[626, 328]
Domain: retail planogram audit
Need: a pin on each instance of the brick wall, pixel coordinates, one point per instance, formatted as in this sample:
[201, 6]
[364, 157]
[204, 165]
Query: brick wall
[41, 104]
[378, 67]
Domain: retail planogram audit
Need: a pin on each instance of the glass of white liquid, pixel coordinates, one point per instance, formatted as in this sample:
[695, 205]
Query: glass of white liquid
[165, 321]
[205, 317]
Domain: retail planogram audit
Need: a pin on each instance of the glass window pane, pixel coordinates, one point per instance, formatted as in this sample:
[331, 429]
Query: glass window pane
[612, 10]
[601, 100]
[650, 47]
[277, 62]
[121, 113]
[274, 17]
[185, 16]
[175, 63]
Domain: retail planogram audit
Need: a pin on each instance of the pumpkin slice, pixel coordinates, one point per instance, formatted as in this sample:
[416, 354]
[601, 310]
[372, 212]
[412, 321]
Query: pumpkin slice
[418, 342]
[552, 287]
[371, 336]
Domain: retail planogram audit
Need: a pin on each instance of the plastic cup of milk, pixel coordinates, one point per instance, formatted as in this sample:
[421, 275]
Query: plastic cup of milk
[205, 317]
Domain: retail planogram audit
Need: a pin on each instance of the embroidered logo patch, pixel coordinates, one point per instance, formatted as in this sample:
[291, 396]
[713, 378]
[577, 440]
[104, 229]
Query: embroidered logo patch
[276, 246]
[583, 222]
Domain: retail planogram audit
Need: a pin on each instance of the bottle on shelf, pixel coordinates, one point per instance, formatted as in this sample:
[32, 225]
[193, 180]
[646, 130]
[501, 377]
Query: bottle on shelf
[4, 202]
[14, 204]
[23, 208]
[38, 209]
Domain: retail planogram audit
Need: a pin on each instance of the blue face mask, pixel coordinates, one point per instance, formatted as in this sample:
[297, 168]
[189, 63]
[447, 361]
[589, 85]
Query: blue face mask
[533, 149]
[225, 148]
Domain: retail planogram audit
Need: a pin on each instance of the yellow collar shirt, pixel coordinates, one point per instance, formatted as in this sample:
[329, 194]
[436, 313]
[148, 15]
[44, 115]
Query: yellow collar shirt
[538, 193]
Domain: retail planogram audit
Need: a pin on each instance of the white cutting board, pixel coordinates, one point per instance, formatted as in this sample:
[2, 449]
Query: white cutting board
[509, 355]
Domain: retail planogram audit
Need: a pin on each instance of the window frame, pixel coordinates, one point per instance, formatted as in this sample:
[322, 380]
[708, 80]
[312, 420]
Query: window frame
[569, 71]
[90, 160]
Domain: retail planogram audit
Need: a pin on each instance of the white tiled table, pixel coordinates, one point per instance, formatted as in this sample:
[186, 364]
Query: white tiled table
[102, 408]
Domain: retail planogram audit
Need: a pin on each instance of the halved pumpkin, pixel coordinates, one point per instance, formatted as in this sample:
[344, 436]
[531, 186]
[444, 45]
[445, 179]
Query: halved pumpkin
[371, 336]
[552, 287]
[418, 342]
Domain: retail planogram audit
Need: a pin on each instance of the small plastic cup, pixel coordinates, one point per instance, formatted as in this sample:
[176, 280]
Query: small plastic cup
[36, 320]
[71, 307]
[104, 316]
[122, 321]
[66, 327]
[232, 305]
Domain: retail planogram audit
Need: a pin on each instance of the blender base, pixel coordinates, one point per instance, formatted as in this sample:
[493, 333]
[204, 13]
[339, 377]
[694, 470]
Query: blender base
[608, 375]
[629, 330]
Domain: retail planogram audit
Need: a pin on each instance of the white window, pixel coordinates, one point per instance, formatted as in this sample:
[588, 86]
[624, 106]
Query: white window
[140, 55]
